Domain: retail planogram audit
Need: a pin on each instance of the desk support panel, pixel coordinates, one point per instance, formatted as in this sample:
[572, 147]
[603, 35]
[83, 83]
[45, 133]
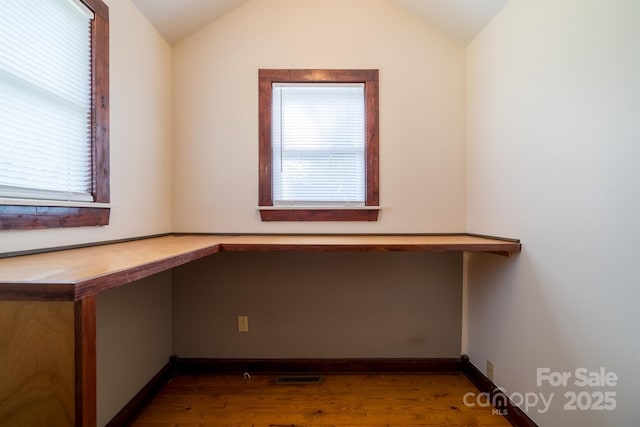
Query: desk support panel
[37, 359]
[85, 355]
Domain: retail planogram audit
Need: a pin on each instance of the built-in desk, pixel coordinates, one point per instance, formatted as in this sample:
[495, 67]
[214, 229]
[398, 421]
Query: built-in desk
[48, 306]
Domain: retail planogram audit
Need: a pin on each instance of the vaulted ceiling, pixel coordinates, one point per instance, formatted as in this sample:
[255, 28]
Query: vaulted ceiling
[177, 19]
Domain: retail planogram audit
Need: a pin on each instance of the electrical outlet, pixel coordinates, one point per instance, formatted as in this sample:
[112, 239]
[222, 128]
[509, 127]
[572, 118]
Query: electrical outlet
[490, 370]
[243, 323]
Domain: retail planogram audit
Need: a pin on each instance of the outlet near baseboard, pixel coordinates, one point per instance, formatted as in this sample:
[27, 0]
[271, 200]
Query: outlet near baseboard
[490, 369]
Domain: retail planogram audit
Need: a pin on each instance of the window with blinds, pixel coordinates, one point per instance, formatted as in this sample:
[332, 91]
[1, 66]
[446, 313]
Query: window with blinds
[318, 144]
[46, 102]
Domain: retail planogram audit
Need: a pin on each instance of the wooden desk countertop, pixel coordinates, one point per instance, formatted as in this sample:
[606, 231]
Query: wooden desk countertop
[71, 274]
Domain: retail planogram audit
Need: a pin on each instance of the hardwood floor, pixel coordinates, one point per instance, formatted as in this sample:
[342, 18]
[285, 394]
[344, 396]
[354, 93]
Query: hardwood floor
[338, 400]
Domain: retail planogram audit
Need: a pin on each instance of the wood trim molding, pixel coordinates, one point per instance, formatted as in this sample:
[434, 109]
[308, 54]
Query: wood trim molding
[265, 99]
[371, 95]
[41, 292]
[266, 78]
[100, 107]
[512, 413]
[333, 243]
[190, 366]
[15, 217]
[85, 328]
[319, 214]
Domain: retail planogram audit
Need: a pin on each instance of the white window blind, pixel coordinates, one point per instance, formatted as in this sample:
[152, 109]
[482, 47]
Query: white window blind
[45, 102]
[318, 144]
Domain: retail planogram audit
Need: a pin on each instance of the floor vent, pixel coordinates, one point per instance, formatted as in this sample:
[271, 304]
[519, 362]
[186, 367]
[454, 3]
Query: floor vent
[297, 379]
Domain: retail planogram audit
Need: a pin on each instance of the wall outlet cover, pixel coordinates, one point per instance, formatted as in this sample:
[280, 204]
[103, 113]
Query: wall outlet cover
[243, 323]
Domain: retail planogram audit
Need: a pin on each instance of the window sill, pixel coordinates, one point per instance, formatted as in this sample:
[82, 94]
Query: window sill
[16, 214]
[286, 213]
[4, 201]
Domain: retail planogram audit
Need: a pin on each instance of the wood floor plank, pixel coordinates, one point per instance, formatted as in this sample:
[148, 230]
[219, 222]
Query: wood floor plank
[339, 400]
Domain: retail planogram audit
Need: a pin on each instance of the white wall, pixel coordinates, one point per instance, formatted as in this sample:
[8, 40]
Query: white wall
[140, 143]
[133, 340]
[215, 92]
[553, 90]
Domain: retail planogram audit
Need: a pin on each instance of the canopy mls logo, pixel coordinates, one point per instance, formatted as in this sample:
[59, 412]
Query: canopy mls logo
[499, 400]
[594, 392]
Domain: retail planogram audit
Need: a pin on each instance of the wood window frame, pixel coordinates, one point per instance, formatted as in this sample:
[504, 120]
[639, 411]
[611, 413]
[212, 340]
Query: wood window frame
[266, 79]
[49, 214]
